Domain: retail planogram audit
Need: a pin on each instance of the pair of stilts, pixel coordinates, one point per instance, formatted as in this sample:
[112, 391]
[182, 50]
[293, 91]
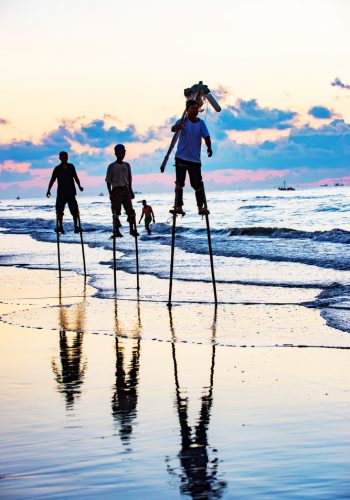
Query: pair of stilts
[133, 230]
[58, 232]
[173, 237]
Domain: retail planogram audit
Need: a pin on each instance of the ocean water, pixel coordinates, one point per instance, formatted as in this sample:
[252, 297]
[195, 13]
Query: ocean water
[118, 396]
[286, 240]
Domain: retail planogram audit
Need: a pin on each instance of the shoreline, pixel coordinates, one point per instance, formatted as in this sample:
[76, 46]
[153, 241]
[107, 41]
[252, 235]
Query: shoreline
[95, 394]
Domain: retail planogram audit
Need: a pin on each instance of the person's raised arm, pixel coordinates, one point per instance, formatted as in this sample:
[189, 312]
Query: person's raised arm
[179, 125]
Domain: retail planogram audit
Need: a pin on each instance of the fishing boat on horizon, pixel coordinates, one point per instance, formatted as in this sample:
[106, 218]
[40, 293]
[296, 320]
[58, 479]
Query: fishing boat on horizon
[284, 187]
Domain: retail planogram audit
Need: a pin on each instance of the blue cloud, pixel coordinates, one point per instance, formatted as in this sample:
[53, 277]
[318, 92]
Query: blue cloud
[97, 135]
[248, 115]
[338, 83]
[326, 147]
[320, 112]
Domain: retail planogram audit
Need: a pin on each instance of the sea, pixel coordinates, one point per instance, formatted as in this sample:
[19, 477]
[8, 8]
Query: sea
[263, 238]
[109, 393]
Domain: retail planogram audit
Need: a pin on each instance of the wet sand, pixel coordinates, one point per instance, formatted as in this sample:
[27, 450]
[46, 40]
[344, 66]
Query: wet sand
[106, 398]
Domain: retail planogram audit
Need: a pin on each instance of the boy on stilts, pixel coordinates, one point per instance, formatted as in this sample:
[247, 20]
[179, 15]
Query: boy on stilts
[119, 185]
[188, 157]
[66, 177]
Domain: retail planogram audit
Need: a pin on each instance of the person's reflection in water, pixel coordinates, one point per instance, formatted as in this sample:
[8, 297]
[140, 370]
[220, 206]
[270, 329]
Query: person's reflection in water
[199, 477]
[125, 390]
[69, 370]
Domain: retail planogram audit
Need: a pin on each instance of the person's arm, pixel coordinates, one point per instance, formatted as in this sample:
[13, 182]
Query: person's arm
[179, 125]
[143, 213]
[207, 141]
[76, 178]
[108, 180]
[153, 214]
[109, 187]
[132, 196]
[52, 180]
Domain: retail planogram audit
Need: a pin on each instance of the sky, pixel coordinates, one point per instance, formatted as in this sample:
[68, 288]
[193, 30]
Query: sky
[84, 75]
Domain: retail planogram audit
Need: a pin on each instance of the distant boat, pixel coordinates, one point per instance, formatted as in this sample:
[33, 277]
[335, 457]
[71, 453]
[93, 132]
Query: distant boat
[101, 194]
[285, 187]
[339, 184]
[18, 198]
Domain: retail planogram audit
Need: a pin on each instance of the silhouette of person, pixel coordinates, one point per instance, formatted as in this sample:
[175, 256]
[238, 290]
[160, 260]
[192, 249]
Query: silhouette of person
[147, 211]
[188, 157]
[119, 185]
[69, 372]
[199, 473]
[125, 391]
[66, 177]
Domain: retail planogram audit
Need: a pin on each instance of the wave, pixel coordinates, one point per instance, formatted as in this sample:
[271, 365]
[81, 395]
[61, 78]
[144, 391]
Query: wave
[252, 207]
[332, 236]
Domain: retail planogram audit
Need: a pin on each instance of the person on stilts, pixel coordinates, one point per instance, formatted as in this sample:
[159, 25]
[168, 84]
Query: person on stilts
[119, 185]
[188, 157]
[66, 177]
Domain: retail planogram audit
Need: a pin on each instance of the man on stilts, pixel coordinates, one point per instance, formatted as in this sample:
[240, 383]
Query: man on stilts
[188, 157]
[66, 177]
[119, 184]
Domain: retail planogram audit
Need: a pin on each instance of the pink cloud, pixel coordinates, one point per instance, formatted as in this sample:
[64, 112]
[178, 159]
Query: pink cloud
[329, 181]
[12, 166]
[230, 176]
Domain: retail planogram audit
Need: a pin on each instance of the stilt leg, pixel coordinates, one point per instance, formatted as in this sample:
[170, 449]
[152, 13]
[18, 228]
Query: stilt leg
[82, 244]
[137, 262]
[172, 256]
[58, 249]
[210, 249]
[114, 254]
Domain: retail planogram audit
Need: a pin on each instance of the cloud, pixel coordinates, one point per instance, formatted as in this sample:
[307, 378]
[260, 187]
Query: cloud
[248, 115]
[293, 151]
[320, 112]
[338, 83]
[96, 134]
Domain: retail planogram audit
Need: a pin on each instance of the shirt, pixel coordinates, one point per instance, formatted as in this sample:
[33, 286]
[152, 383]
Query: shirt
[190, 140]
[65, 180]
[118, 174]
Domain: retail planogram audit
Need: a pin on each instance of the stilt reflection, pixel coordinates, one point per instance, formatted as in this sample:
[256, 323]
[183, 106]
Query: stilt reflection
[125, 390]
[69, 368]
[199, 462]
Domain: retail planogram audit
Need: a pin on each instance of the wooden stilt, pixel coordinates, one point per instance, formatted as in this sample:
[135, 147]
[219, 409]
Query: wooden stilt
[114, 254]
[82, 244]
[137, 263]
[172, 259]
[58, 250]
[210, 247]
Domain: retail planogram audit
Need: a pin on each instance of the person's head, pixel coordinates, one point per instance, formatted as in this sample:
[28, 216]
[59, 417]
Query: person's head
[144, 203]
[192, 107]
[119, 151]
[63, 156]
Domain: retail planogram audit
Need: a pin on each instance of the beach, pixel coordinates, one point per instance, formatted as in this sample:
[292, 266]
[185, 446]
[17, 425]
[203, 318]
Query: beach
[119, 396]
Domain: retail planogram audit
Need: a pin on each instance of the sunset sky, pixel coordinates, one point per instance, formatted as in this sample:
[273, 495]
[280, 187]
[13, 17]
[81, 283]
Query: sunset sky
[83, 75]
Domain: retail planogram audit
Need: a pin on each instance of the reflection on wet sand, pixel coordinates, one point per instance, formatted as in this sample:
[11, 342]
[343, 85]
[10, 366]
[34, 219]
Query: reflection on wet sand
[125, 389]
[199, 477]
[69, 370]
